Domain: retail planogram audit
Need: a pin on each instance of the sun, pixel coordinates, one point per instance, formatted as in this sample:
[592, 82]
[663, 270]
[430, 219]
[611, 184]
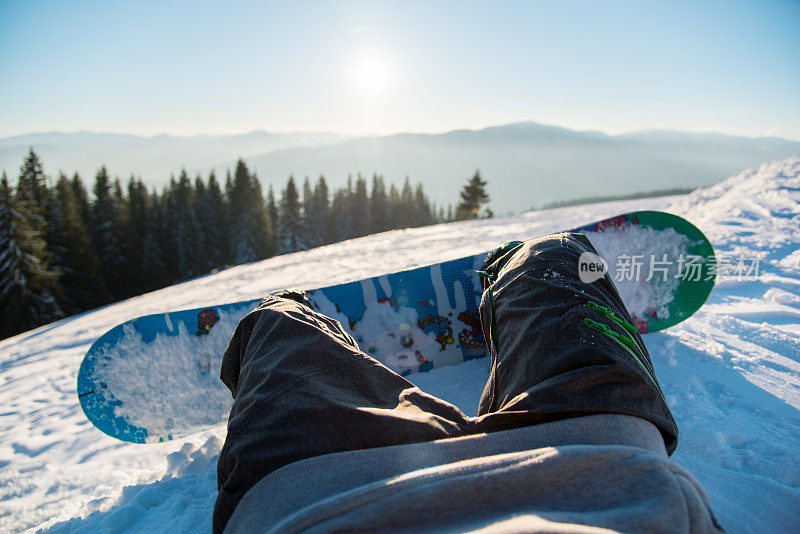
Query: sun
[371, 74]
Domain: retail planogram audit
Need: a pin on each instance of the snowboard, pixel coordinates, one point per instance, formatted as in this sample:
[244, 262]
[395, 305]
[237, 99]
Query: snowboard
[156, 378]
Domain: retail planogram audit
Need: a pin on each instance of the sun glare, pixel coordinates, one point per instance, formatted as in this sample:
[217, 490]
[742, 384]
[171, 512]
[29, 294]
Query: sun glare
[371, 74]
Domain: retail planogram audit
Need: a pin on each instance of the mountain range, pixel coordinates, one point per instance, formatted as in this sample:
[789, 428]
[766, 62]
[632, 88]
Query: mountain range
[526, 164]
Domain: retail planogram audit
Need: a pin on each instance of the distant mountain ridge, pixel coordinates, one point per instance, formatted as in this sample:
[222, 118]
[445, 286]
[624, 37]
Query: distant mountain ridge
[153, 158]
[527, 164]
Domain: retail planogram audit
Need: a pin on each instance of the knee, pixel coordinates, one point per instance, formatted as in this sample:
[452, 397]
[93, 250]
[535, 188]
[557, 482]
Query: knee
[282, 318]
[552, 249]
[272, 304]
[563, 243]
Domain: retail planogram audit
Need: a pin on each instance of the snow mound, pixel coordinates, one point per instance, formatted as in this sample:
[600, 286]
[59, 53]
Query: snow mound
[756, 212]
[732, 372]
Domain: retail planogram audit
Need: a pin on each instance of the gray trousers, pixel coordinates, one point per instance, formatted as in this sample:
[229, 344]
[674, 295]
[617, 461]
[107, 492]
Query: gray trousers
[303, 388]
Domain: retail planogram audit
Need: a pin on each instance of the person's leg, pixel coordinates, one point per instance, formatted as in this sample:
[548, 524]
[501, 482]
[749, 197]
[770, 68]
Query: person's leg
[551, 359]
[302, 388]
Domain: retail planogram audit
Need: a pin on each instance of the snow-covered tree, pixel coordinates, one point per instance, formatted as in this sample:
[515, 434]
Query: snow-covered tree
[251, 236]
[27, 283]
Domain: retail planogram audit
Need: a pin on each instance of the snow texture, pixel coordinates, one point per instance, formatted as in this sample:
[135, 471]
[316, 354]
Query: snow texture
[192, 367]
[635, 254]
[731, 373]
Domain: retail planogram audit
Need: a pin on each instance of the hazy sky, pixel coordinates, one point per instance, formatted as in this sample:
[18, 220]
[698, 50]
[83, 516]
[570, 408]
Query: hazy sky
[188, 67]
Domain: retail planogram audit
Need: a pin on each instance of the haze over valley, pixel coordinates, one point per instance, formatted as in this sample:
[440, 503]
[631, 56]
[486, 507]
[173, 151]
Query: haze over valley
[526, 164]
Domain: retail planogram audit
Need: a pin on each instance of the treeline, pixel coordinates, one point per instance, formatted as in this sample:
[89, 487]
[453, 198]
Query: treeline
[62, 252]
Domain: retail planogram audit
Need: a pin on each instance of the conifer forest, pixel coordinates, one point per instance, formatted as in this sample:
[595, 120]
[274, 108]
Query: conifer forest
[66, 247]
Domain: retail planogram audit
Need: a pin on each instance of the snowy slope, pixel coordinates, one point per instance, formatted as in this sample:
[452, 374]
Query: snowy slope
[731, 373]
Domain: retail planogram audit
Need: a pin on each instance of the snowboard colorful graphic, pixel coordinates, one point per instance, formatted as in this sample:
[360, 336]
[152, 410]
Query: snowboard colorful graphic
[156, 378]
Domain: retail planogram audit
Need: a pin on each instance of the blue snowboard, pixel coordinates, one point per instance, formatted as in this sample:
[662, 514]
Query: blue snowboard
[156, 378]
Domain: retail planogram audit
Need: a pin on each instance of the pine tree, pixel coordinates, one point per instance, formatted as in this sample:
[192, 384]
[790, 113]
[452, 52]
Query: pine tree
[53, 216]
[290, 227]
[33, 180]
[473, 196]
[124, 285]
[26, 281]
[338, 216]
[199, 189]
[342, 212]
[406, 212]
[395, 207]
[250, 221]
[204, 248]
[228, 183]
[359, 209]
[423, 213]
[379, 212]
[321, 213]
[33, 185]
[262, 226]
[212, 216]
[152, 262]
[32, 205]
[186, 237]
[137, 215]
[104, 232]
[311, 234]
[81, 199]
[81, 287]
[272, 213]
[165, 235]
[9, 252]
[12, 280]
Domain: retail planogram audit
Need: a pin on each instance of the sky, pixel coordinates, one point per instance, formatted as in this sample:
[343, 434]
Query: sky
[374, 67]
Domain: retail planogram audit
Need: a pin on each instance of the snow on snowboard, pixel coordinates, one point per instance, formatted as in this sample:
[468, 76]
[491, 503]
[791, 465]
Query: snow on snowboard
[156, 378]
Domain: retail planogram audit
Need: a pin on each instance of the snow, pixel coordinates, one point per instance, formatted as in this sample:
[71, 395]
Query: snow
[731, 373]
[203, 395]
[648, 248]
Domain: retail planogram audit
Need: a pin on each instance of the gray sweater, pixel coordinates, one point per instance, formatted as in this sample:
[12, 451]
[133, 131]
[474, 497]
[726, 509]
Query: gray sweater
[584, 474]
